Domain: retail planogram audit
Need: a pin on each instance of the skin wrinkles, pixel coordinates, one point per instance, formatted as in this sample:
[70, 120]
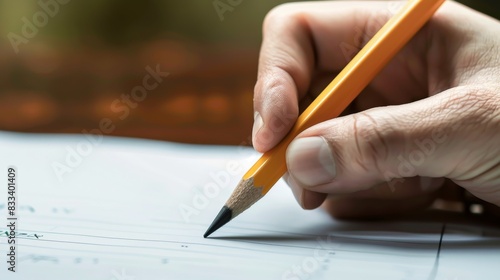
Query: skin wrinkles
[432, 112]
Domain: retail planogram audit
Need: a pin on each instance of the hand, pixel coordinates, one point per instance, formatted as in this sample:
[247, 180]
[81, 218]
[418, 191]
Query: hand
[426, 127]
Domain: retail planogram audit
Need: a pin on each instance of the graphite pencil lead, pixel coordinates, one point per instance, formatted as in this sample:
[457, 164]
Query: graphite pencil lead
[224, 216]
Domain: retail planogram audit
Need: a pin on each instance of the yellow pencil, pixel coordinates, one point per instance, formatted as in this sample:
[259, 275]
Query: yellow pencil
[329, 104]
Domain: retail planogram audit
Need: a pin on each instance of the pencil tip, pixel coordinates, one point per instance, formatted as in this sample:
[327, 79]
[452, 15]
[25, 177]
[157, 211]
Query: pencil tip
[222, 218]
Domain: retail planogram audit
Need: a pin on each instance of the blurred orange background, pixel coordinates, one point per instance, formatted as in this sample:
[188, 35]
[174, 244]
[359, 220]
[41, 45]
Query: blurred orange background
[86, 54]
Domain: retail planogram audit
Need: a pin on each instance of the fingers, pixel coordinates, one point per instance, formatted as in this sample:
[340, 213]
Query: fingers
[350, 207]
[297, 39]
[387, 191]
[448, 135]
[307, 199]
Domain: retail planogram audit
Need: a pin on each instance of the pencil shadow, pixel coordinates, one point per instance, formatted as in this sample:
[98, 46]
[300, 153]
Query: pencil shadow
[460, 246]
[417, 234]
[266, 238]
[484, 244]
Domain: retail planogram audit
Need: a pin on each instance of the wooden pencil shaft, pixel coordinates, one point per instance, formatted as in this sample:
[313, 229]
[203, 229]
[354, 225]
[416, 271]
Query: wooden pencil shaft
[347, 85]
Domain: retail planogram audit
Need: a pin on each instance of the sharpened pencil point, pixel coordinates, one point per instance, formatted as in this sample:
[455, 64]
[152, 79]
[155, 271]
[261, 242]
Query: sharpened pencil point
[222, 218]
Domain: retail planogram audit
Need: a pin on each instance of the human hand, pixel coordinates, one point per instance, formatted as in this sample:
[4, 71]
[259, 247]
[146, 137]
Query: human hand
[427, 126]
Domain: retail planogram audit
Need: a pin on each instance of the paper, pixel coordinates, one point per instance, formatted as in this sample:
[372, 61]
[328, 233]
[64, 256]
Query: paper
[115, 208]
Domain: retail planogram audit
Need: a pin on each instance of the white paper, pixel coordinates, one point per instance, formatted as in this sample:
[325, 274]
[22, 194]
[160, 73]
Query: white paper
[137, 209]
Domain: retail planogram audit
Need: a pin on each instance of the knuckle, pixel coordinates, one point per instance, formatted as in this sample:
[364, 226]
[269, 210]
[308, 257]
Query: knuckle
[273, 100]
[372, 139]
[258, 92]
[275, 85]
[278, 14]
[371, 22]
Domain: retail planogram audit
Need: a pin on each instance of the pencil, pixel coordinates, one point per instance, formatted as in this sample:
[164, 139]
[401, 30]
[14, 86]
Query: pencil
[357, 74]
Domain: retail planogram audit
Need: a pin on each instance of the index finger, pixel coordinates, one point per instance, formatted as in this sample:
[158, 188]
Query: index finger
[299, 38]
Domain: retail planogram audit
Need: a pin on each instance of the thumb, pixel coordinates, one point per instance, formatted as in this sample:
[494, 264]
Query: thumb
[440, 136]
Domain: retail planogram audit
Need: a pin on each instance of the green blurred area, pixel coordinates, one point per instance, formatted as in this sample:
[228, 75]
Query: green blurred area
[118, 22]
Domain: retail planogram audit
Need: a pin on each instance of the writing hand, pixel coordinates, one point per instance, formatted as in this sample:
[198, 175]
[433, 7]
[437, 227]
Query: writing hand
[427, 126]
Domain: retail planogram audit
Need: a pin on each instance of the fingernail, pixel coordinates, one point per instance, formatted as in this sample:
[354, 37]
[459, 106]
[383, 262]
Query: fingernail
[310, 161]
[257, 124]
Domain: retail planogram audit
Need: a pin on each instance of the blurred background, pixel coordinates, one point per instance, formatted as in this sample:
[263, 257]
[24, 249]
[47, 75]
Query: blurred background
[64, 63]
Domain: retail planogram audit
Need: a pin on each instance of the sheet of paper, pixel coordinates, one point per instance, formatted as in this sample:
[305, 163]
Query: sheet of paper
[116, 208]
